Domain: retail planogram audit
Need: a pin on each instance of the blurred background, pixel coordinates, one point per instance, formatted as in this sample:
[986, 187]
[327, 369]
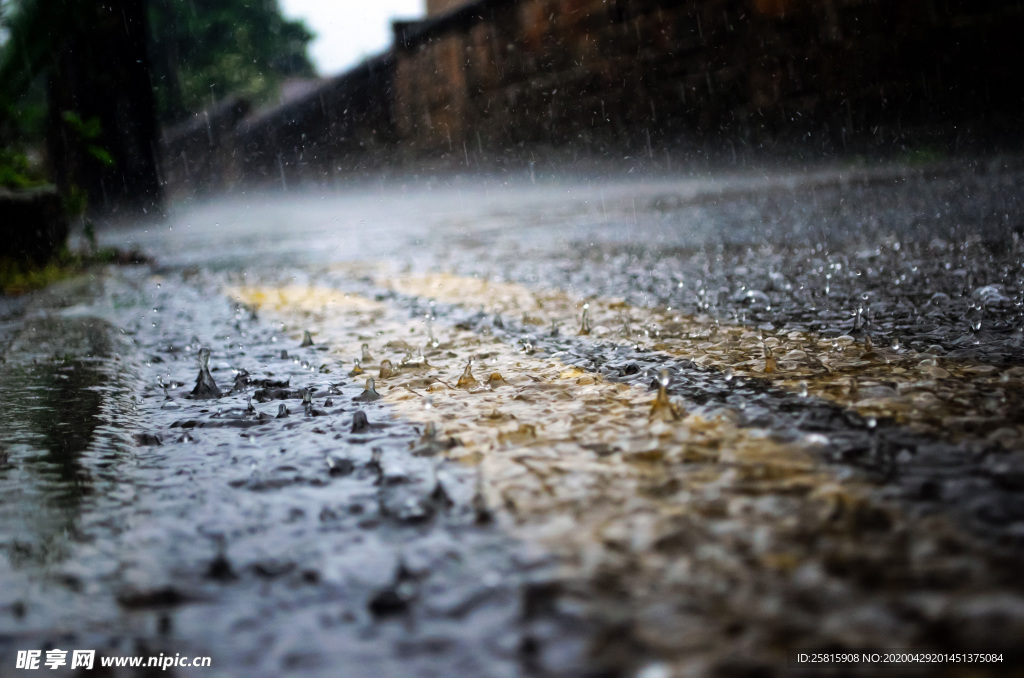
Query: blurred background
[127, 105]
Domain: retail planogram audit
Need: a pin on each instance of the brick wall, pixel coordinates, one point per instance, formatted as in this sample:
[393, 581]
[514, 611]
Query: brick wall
[496, 80]
[506, 73]
[435, 7]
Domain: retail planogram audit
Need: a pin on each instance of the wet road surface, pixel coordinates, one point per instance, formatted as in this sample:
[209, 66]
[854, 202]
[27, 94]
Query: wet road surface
[672, 426]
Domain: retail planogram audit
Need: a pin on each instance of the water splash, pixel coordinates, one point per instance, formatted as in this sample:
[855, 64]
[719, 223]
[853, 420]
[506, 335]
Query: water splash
[307, 339]
[366, 357]
[206, 388]
[359, 421]
[369, 393]
[585, 325]
[357, 369]
[387, 369]
[663, 409]
[467, 381]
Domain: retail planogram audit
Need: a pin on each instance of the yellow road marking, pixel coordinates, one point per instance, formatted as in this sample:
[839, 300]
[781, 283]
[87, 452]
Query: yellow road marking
[929, 394]
[676, 526]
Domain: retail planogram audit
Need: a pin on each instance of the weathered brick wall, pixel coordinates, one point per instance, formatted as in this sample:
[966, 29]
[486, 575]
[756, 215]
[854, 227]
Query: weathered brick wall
[505, 73]
[503, 79]
[435, 7]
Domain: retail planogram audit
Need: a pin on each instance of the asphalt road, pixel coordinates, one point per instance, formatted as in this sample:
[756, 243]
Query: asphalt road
[623, 425]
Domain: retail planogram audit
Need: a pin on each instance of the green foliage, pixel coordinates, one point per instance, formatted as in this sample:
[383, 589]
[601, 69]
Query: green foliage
[75, 202]
[88, 131]
[18, 277]
[15, 171]
[204, 50]
[201, 51]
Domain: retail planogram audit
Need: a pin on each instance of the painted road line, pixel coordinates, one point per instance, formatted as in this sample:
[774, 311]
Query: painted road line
[686, 527]
[925, 392]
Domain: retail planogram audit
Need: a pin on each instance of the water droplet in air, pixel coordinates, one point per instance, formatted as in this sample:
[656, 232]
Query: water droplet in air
[728, 374]
[802, 389]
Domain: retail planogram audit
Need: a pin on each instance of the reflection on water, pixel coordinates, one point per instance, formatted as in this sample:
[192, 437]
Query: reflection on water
[52, 389]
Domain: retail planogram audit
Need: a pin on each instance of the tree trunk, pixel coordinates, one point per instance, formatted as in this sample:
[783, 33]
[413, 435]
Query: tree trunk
[101, 73]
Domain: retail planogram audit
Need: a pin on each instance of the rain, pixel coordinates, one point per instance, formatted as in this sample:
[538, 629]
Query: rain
[517, 337]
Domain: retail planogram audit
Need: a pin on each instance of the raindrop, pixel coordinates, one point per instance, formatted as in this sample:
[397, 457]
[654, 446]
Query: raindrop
[770, 365]
[662, 409]
[369, 393]
[359, 421]
[585, 323]
[467, 381]
[430, 431]
[802, 389]
[205, 387]
[432, 341]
